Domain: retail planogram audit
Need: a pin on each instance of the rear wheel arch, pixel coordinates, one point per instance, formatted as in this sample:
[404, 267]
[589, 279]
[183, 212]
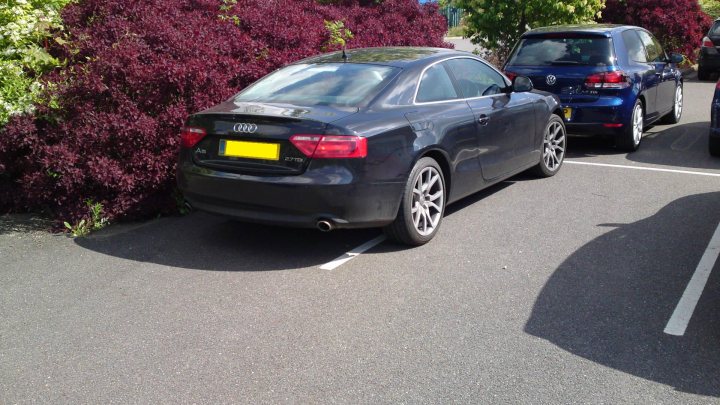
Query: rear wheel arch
[644, 104]
[422, 205]
[442, 160]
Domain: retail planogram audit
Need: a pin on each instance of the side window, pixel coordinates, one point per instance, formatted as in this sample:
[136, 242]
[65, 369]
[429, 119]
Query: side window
[635, 49]
[475, 78]
[435, 85]
[653, 47]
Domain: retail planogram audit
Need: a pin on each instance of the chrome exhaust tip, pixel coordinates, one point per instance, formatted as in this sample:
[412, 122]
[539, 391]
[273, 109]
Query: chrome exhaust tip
[324, 225]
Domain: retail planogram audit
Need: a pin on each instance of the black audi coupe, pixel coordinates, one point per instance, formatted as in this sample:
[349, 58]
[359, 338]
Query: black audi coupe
[376, 137]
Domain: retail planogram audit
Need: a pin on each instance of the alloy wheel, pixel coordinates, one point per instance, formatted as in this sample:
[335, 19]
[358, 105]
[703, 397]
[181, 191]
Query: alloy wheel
[638, 124]
[428, 201]
[554, 146]
[678, 103]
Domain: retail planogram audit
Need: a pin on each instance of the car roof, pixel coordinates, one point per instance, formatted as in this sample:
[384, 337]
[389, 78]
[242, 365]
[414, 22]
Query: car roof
[600, 29]
[398, 56]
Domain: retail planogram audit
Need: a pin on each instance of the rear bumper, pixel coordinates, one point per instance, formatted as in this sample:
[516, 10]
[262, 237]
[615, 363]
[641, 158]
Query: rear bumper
[589, 130]
[328, 192]
[714, 114]
[709, 58]
[605, 116]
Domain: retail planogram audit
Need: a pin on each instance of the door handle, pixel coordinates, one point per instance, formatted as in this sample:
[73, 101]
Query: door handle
[483, 120]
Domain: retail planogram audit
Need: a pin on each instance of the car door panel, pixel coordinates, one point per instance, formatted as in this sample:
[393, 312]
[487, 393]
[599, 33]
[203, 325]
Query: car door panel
[651, 82]
[504, 120]
[505, 132]
[639, 65]
[664, 74]
[443, 118]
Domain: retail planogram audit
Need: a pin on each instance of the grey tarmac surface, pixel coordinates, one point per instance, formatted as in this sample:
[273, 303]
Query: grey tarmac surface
[534, 291]
[461, 44]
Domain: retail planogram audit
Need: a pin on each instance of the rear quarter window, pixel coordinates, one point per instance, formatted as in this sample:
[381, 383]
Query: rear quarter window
[653, 49]
[435, 85]
[571, 50]
[634, 46]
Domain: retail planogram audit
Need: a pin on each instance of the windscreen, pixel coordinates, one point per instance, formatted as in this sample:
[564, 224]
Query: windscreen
[339, 84]
[590, 51]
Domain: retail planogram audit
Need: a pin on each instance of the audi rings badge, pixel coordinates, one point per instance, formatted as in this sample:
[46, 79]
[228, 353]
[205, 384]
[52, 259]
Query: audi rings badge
[245, 128]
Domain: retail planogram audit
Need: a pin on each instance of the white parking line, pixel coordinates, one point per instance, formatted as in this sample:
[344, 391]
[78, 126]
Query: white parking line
[353, 253]
[683, 312]
[652, 169]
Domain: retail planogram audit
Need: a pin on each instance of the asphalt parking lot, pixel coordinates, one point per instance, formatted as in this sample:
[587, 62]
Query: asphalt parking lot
[534, 291]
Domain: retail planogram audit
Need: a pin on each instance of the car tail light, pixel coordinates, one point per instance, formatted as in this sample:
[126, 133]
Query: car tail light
[717, 86]
[607, 80]
[510, 75]
[190, 136]
[330, 146]
[708, 43]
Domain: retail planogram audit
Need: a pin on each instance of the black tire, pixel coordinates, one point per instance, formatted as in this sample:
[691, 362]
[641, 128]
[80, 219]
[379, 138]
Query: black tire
[628, 140]
[673, 117]
[714, 146]
[404, 229]
[703, 74]
[554, 143]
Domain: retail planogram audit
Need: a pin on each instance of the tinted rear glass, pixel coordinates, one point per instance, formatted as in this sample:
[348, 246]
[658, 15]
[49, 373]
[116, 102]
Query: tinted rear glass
[563, 51]
[715, 30]
[342, 84]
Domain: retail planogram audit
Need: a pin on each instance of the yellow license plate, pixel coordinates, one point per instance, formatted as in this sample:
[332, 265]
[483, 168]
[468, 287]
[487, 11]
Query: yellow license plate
[250, 150]
[568, 113]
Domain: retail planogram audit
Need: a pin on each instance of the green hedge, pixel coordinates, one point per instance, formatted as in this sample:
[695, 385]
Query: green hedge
[25, 25]
[711, 7]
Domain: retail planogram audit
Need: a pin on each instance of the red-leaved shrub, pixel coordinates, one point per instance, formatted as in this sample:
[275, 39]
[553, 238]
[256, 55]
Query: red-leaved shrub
[678, 24]
[136, 69]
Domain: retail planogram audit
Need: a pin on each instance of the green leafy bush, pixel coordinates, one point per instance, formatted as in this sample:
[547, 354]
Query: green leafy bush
[496, 25]
[134, 70]
[711, 7]
[679, 25]
[25, 25]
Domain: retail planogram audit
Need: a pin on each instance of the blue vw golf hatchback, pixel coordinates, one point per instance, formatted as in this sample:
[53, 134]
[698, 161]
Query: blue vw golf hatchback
[611, 79]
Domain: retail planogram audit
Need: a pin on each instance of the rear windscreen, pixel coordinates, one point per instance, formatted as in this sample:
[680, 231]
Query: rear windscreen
[563, 51]
[715, 30]
[339, 84]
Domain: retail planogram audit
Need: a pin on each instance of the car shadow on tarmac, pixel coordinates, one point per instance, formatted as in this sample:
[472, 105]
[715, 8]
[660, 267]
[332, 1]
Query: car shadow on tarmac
[202, 241]
[610, 301]
[682, 146]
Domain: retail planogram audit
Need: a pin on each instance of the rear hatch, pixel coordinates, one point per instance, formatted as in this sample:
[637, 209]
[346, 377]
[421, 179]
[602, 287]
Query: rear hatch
[714, 35]
[251, 137]
[560, 63]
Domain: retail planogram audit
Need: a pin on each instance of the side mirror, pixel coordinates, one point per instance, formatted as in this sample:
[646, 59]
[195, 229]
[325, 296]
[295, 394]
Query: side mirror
[522, 84]
[676, 58]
